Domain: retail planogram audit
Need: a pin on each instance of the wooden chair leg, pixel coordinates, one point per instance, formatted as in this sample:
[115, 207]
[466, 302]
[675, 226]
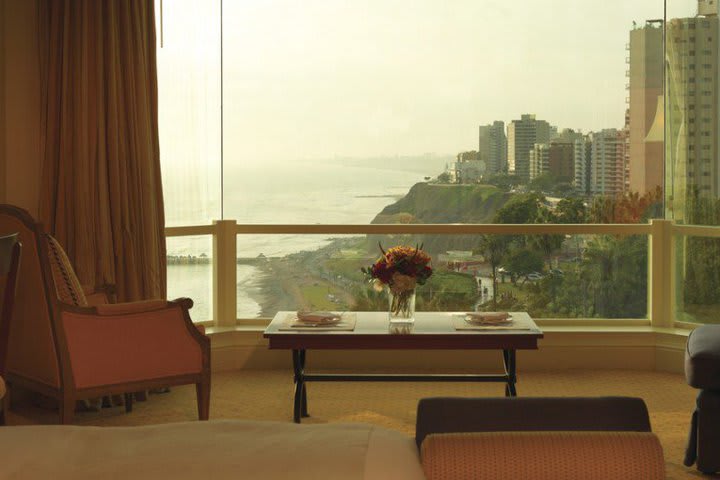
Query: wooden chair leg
[67, 410]
[128, 402]
[203, 399]
[5, 405]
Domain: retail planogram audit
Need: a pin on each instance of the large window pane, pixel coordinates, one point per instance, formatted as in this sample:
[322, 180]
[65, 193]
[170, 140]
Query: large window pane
[692, 153]
[333, 114]
[190, 273]
[550, 276]
[698, 273]
[693, 104]
[188, 57]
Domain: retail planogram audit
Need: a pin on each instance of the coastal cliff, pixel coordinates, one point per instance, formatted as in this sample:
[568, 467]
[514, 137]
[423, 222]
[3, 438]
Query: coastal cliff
[442, 203]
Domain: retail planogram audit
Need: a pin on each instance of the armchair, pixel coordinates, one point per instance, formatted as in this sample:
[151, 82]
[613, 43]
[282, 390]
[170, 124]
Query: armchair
[9, 264]
[66, 348]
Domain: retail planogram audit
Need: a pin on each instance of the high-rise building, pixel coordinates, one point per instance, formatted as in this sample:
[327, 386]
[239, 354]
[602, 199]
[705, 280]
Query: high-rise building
[555, 158]
[692, 123]
[522, 136]
[645, 98]
[607, 162]
[626, 136]
[567, 135]
[582, 154]
[538, 160]
[492, 147]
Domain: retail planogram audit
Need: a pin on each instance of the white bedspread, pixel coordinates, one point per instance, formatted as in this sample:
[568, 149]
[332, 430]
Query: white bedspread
[220, 449]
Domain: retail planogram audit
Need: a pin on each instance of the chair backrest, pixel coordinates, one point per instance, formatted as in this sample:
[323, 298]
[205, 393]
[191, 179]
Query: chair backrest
[9, 267]
[33, 352]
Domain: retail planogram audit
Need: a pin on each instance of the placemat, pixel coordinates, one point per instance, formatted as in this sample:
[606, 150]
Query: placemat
[346, 324]
[518, 323]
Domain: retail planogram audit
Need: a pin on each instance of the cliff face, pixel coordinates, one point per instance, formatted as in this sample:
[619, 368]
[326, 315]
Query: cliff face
[436, 203]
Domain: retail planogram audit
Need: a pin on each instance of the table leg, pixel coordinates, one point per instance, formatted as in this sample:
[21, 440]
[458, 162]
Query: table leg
[299, 377]
[509, 360]
[303, 408]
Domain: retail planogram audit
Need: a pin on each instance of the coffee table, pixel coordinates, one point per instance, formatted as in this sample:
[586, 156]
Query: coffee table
[431, 331]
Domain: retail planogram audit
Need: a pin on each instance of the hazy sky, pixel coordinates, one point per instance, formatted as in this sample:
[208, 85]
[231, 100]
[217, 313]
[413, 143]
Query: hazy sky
[317, 78]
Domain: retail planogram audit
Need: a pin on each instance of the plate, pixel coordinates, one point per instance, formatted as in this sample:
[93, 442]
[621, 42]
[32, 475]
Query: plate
[318, 318]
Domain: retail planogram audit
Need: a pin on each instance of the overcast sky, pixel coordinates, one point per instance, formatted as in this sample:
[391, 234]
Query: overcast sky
[317, 78]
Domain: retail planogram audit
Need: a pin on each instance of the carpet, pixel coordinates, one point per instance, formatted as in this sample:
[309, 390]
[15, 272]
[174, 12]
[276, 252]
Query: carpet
[267, 395]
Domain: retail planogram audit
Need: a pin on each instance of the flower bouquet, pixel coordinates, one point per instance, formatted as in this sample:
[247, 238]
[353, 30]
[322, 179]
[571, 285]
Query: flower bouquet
[401, 269]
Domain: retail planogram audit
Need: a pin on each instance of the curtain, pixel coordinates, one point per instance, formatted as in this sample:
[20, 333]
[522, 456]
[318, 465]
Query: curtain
[102, 192]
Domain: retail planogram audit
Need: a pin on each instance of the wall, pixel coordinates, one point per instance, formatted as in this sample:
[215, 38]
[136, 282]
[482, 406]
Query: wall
[3, 176]
[20, 107]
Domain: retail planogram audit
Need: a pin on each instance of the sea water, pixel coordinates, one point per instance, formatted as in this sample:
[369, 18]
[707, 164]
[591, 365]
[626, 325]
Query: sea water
[292, 193]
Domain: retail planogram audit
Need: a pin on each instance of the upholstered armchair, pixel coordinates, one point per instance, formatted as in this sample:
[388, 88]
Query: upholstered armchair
[9, 265]
[71, 347]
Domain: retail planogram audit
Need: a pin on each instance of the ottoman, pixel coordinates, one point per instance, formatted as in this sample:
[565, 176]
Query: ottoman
[702, 371]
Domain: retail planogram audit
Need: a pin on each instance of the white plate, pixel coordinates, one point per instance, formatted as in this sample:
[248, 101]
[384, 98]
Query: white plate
[318, 318]
[488, 318]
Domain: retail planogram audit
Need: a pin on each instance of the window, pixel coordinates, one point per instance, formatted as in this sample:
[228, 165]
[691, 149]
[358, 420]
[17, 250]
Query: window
[352, 113]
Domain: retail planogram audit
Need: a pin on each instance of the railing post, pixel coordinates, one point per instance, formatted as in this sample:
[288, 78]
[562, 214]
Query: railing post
[661, 274]
[225, 273]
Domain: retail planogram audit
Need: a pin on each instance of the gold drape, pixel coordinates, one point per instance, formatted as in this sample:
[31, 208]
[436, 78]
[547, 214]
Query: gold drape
[102, 190]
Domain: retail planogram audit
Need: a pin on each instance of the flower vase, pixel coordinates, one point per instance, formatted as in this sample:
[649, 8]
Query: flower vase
[402, 306]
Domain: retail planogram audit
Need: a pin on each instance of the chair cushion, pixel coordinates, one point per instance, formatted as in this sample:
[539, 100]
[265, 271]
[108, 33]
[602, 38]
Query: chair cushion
[702, 358]
[67, 285]
[543, 455]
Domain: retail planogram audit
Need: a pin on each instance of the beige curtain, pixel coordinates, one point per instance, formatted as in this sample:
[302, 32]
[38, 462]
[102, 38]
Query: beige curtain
[102, 191]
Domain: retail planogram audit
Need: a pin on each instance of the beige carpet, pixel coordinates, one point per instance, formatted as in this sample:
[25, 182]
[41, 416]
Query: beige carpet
[267, 395]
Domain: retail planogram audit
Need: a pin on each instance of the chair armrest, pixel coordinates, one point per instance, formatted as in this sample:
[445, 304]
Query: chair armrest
[144, 306]
[543, 455]
[453, 415]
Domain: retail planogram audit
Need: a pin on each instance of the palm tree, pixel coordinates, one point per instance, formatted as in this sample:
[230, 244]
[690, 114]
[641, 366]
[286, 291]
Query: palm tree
[494, 248]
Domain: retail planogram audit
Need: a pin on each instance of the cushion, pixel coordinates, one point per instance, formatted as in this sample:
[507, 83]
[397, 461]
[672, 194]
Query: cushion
[543, 455]
[67, 285]
[702, 358]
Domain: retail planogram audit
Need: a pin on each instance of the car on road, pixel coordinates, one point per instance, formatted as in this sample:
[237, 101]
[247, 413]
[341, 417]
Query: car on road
[534, 276]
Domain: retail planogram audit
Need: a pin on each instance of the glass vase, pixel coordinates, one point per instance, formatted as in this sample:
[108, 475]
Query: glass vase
[402, 306]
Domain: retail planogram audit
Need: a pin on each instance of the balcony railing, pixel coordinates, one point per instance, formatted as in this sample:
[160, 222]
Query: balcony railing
[661, 236]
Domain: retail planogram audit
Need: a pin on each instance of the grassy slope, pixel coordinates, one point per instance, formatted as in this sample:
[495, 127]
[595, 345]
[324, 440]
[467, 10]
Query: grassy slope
[433, 203]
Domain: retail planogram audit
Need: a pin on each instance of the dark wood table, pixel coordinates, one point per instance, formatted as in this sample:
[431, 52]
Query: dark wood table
[431, 331]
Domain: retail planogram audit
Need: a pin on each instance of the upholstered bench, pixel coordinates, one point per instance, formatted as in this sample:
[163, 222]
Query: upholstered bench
[537, 438]
[702, 370]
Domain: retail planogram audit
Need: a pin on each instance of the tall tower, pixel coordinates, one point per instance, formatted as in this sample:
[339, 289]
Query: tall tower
[645, 86]
[582, 151]
[522, 136]
[692, 125]
[492, 147]
[607, 162]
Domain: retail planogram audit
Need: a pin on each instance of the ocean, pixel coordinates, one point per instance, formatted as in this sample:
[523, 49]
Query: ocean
[296, 193]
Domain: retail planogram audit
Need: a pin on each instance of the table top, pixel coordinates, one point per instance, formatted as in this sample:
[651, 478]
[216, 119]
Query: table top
[431, 330]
